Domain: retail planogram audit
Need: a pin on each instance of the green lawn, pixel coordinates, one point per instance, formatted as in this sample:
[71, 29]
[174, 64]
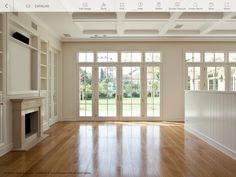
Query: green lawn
[128, 105]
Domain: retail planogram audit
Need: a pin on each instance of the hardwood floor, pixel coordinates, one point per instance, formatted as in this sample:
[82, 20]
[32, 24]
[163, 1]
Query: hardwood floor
[118, 149]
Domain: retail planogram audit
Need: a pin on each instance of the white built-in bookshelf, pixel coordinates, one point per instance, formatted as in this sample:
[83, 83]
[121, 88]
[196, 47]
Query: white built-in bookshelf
[43, 64]
[1, 50]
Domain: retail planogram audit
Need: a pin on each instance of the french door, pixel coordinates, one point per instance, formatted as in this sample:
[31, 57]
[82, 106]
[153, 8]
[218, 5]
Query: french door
[119, 86]
[110, 92]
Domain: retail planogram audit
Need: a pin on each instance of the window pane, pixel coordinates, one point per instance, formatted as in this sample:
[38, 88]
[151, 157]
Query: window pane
[153, 91]
[192, 57]
[126, 57]
[112, 57]
[214, 57]
[188, 57]
[152, 57]
[107, 91]
[148, 57]
[85, 57]
[209, 57]
[196, 57]
[219, 57]
[233, 78]
[131, 91]
[90, 57]
[85, 91]
[156, 57]
[107, 57]
[220, 74]
[136, 57]
[194, 78]
[131, 57]
[82, 57]
[216, 78]
[101, 57]
[232, 57]
[190, 78]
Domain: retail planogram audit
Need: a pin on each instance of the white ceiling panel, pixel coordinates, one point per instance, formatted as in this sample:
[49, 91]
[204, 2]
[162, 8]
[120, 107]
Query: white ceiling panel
[140, 24]
[143, 25]
[97, 25]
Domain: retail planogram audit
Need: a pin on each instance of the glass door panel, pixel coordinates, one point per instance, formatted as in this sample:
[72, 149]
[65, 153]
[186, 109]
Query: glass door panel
[233, 78]
[216, 78]
[55, 99]
[153, 91]
[107, 92]
[85, 91]
[194, 73]
[131, 91]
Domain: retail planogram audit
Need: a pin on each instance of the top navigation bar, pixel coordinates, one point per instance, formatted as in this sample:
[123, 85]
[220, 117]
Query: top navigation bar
[117, 5]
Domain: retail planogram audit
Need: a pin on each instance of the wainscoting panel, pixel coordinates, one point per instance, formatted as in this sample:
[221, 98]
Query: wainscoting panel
[212, 117]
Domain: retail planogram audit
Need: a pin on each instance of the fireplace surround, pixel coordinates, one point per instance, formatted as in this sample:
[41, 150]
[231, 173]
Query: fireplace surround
[27, 122]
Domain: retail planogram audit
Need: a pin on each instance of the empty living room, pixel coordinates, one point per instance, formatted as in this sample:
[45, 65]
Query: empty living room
[118, 88]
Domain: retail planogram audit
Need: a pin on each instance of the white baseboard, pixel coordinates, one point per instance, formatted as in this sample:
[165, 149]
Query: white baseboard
[68, 118]
[174, 119]
[212, 142]
[5, 149]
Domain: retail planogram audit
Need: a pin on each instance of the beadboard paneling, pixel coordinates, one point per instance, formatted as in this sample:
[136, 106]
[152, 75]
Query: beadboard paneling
[212, 117]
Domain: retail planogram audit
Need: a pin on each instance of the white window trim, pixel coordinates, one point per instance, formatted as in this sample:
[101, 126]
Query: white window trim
[119, 65]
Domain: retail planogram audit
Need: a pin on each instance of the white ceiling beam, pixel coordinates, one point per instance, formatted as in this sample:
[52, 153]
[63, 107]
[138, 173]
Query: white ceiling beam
[210, 26]
[120, 23]
[174, 16]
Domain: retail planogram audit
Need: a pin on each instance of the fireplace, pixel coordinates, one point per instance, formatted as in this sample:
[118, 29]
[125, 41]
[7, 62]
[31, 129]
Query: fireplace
[31, 123]
[27, 122]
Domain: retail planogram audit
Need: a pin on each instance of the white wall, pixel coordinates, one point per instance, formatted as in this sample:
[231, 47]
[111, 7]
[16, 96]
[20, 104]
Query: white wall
[172, 76]
[19, 67]
[212, 117]
[25, 20]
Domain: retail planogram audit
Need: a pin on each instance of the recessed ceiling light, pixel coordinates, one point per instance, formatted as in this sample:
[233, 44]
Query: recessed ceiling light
[67, 35]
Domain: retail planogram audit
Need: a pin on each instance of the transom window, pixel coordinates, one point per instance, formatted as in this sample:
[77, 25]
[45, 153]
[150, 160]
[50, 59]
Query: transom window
[192, 57]
[85, 57]
[153, 57]
[131, 57]
[107, 57]
[232, 57]
[214, 57]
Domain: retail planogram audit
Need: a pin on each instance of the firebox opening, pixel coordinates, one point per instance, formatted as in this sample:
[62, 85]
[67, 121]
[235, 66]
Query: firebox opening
[31, 123]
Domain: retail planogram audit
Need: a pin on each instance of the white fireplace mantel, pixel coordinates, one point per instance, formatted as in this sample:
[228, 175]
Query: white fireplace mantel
[21, 107]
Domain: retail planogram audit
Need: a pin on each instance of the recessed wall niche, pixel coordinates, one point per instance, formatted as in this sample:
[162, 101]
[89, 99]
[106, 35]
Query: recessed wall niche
[22, 64]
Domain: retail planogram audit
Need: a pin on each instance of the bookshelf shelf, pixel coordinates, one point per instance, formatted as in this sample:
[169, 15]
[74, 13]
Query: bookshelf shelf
[43, 64]
[22, 43]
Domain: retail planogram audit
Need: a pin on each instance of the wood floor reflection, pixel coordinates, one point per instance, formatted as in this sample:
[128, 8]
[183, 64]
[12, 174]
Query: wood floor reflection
[118, 149]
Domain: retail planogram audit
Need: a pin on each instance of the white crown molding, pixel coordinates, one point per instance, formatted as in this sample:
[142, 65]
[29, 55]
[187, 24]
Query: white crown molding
[154, 39]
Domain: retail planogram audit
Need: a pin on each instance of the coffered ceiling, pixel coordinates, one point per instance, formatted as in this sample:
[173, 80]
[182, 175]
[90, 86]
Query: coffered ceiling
[145, 25]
